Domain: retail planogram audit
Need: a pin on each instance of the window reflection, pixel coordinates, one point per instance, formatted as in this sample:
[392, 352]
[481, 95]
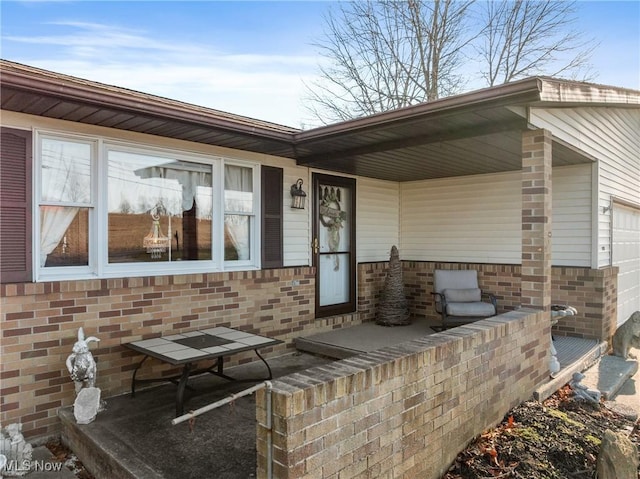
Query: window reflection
[65, 200]
[238, 205]
[64, 236]
[157, 195]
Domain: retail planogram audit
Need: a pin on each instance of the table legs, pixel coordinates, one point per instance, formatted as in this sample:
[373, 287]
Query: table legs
[182, 384]
[265, 363]
[133, 377]
[217, 369]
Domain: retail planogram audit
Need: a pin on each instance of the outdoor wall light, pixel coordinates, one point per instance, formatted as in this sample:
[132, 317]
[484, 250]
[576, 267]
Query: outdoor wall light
[298, 196]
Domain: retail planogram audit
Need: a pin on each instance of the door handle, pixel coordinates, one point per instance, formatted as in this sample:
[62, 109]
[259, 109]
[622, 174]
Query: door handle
[316, 246]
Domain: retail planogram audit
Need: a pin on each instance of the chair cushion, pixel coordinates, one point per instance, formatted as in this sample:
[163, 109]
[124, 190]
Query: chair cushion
[454, 279]
[475, 309]
[467, 295]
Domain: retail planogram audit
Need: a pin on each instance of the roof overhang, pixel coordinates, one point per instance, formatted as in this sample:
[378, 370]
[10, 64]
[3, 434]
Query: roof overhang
[42, 93]
[473, 133]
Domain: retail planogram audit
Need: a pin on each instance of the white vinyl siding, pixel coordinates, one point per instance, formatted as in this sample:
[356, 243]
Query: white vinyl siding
[612, 137]
[465, 219]
[378, 217]
[479, 218]
[296, 227]
[571, 216]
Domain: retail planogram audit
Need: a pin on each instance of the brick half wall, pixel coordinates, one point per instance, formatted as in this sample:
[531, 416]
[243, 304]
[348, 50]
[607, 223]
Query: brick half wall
[593, 292]
[39, 324]
[404, 411]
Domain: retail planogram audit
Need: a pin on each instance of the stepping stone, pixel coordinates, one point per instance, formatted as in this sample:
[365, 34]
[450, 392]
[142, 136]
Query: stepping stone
[609, 374]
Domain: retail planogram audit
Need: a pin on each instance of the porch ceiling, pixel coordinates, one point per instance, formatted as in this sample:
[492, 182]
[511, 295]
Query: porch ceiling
[474, 133]
[466, 143]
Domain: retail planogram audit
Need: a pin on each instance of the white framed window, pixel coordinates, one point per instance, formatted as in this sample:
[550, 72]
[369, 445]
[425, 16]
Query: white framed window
[65, 212]
[240, 208]
[124, 209]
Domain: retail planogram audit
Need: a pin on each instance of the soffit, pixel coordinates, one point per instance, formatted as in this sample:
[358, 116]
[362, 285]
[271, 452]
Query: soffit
[42, 93]
[474, 133]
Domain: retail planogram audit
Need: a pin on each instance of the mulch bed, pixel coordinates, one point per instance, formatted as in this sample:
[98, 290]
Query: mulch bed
[559, 438]
[63, 454]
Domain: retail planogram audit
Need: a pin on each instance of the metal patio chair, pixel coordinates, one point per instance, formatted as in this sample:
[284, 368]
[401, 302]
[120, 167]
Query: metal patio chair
[459, 300]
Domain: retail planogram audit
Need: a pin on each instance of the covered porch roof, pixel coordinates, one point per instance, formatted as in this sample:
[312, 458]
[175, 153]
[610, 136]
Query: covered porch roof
[472, 133]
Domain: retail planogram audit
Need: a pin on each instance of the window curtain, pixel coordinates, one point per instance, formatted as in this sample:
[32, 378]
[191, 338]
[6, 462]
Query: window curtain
[238, 187]
[55, 221]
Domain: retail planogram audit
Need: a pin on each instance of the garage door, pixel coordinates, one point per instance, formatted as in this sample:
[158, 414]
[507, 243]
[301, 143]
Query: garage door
[626, 255]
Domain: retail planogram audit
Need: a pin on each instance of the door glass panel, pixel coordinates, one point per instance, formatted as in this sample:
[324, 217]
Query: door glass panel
[335, 202]
[334, 279]
[334, 244]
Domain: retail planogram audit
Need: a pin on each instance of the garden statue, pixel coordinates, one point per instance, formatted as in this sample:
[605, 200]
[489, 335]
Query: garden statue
[558, 311]
[627, 336]
[81, 364]
[17, 452]
[583, 392]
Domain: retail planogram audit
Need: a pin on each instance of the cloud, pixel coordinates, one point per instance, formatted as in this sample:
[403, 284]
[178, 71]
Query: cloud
[267, 87]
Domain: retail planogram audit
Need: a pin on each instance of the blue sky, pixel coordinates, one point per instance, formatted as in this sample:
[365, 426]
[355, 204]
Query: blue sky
[247, 58]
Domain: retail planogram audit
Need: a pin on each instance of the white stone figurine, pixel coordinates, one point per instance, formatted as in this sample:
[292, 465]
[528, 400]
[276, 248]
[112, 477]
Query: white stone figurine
[627, 336]
[81, 364]
[583, 392]
[17, 452]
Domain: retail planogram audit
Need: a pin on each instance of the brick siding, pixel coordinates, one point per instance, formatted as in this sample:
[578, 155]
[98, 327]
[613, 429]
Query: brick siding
[39, 324]
[371, 278]
[404, 411]
[39, 321]
[535, 277]
[593, 292]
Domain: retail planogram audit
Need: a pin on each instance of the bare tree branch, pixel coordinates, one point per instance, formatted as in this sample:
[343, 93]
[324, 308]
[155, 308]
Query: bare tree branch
[532, 37]
[388, 54]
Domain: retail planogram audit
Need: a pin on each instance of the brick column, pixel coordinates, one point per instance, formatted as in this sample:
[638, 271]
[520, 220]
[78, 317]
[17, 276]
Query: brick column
[536, 219]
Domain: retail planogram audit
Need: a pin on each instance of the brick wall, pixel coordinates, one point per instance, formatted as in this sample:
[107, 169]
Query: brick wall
[371, 278]
[593, 292]
[535, 271]
[39, 323]
[501, 280]
[405, 411]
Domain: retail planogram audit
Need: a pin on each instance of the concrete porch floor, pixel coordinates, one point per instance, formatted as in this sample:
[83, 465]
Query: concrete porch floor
[134, 437]
[362, 338]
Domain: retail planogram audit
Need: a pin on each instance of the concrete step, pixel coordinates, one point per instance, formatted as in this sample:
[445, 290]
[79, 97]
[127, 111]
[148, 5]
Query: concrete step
[576, 364]
[101, 451]
[609, 374]
[44, 466]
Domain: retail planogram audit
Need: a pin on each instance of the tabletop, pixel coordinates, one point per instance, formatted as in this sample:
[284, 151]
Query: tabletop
[202, 344]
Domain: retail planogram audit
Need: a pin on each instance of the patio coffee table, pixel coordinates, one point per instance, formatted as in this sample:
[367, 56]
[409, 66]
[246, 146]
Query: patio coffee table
[187, 349]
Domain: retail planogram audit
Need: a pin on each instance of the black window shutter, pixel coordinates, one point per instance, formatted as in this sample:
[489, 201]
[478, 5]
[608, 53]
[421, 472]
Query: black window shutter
[272, 217]
[15, 206]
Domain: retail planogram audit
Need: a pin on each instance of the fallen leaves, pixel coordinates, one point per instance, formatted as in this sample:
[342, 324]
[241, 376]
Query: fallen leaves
[559, 438]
